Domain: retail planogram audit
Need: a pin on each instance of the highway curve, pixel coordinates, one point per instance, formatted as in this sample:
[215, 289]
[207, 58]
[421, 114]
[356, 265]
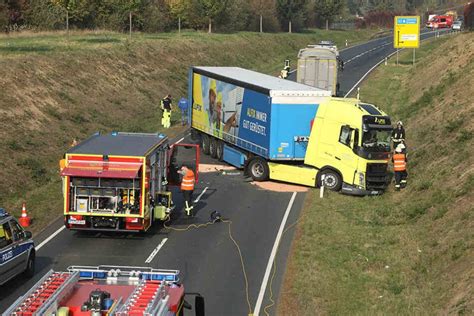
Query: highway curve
[207, 258]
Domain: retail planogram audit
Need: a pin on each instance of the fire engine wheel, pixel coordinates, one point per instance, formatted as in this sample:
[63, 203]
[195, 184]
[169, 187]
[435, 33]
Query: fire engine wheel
[213, 147]
[258, 169]
[205, 144]
[332, 180]
[220, 150]
[30, 265]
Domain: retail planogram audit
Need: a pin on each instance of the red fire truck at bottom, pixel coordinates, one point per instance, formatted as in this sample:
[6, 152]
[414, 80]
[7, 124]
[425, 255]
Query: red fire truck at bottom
[106, 290]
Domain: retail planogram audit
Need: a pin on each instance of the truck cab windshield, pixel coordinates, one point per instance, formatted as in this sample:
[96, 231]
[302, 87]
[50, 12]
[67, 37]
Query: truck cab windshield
[376, 140]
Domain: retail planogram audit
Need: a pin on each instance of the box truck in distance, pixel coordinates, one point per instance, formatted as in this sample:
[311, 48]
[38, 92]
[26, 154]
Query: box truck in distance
[282, 130]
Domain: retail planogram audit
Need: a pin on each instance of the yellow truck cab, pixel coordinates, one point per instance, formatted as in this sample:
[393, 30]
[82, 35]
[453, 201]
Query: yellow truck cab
[352, 146]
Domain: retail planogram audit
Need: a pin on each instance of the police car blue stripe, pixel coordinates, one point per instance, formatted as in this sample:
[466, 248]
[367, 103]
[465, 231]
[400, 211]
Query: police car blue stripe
[11, 252]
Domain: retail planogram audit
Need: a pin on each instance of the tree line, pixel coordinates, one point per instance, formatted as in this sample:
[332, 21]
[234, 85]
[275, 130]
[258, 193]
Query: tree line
[211, 15]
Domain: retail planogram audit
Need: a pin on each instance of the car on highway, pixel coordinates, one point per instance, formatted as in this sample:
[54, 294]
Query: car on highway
[17, 249]
[457, 25]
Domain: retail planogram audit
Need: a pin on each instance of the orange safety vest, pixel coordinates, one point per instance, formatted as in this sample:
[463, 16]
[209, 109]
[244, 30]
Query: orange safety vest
[399, 162]
[188, 181]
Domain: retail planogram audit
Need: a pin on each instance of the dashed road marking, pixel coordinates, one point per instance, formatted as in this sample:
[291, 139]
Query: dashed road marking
[155, 251]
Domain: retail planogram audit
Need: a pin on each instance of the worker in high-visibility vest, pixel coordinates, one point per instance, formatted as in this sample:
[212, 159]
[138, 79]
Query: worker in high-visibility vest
[166, 107]
[187, 186]
[285, 71]
[400, 167]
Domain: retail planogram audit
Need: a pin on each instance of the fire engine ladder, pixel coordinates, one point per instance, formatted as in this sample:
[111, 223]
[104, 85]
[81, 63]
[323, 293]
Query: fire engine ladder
[149, 298]
[43, 297]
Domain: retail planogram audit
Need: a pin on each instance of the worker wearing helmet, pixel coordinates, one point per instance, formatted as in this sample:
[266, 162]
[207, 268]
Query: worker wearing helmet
[400, 167]
[187, 186]
[398, 134]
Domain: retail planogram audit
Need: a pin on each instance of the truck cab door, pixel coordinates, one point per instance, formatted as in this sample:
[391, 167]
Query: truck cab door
[182, 154]
[348, 139]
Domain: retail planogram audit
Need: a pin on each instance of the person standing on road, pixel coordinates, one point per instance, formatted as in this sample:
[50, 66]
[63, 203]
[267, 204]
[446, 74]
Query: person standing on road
[183, 106]
[399, 160]
[166, 107]
[398, 135]
[187, 186]
[286, 70]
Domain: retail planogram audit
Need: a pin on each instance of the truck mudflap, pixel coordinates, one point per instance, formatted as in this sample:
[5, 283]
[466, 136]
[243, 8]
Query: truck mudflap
[353, 190]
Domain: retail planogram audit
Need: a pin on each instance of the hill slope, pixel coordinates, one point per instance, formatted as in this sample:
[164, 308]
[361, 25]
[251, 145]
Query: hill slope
[408, 252]
[56, 88]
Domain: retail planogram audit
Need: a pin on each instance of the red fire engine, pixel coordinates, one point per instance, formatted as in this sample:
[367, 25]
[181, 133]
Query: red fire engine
[106, 290]
[440, 21]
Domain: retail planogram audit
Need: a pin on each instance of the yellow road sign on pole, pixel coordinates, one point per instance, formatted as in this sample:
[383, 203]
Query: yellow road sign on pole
[406, 32]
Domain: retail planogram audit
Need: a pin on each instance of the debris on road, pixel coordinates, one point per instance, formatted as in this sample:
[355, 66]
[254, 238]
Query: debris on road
[279, 187]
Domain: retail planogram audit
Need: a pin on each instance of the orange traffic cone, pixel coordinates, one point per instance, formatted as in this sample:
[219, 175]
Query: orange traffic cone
[24, 219]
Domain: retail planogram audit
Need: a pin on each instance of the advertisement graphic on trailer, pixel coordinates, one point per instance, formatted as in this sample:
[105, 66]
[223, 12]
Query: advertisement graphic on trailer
[230, 112]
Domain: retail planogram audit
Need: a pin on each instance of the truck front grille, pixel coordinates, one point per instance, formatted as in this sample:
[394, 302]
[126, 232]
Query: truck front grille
[376, 176]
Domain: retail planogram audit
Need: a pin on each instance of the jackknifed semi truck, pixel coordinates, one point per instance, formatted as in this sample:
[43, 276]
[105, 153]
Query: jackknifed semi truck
[119, 181]
[286, 131]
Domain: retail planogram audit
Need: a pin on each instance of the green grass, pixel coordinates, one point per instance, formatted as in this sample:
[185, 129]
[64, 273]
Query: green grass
[57, 87]
[47, 43]
[408, 252]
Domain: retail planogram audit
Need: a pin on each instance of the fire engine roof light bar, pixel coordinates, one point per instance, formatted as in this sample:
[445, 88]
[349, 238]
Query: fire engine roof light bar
[144, 273]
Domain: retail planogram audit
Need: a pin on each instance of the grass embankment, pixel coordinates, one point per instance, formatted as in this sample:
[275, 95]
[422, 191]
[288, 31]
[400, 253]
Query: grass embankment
[56, 88]
[408, 252]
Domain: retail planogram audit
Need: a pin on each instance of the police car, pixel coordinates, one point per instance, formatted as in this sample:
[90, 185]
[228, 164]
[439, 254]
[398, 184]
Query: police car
[17, 250]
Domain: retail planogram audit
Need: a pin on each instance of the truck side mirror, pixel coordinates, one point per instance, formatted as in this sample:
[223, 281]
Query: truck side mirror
[199, 305]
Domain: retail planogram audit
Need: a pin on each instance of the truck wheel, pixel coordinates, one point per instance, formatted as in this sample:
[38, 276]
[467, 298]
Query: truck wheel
[205, 144]
[213, 147]
[258, 169]
[30, 265]
[220, 150]
[332, 180]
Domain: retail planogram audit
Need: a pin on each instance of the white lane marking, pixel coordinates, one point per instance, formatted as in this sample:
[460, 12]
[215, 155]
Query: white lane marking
[383, 59]
[263, 288]
[366, 74]
[155, 251]
[179, 141]
[200, 195]
[50, 237]
[366, 52]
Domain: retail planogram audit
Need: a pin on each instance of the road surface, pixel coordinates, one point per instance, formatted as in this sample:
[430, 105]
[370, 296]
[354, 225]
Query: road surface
[358, 60]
